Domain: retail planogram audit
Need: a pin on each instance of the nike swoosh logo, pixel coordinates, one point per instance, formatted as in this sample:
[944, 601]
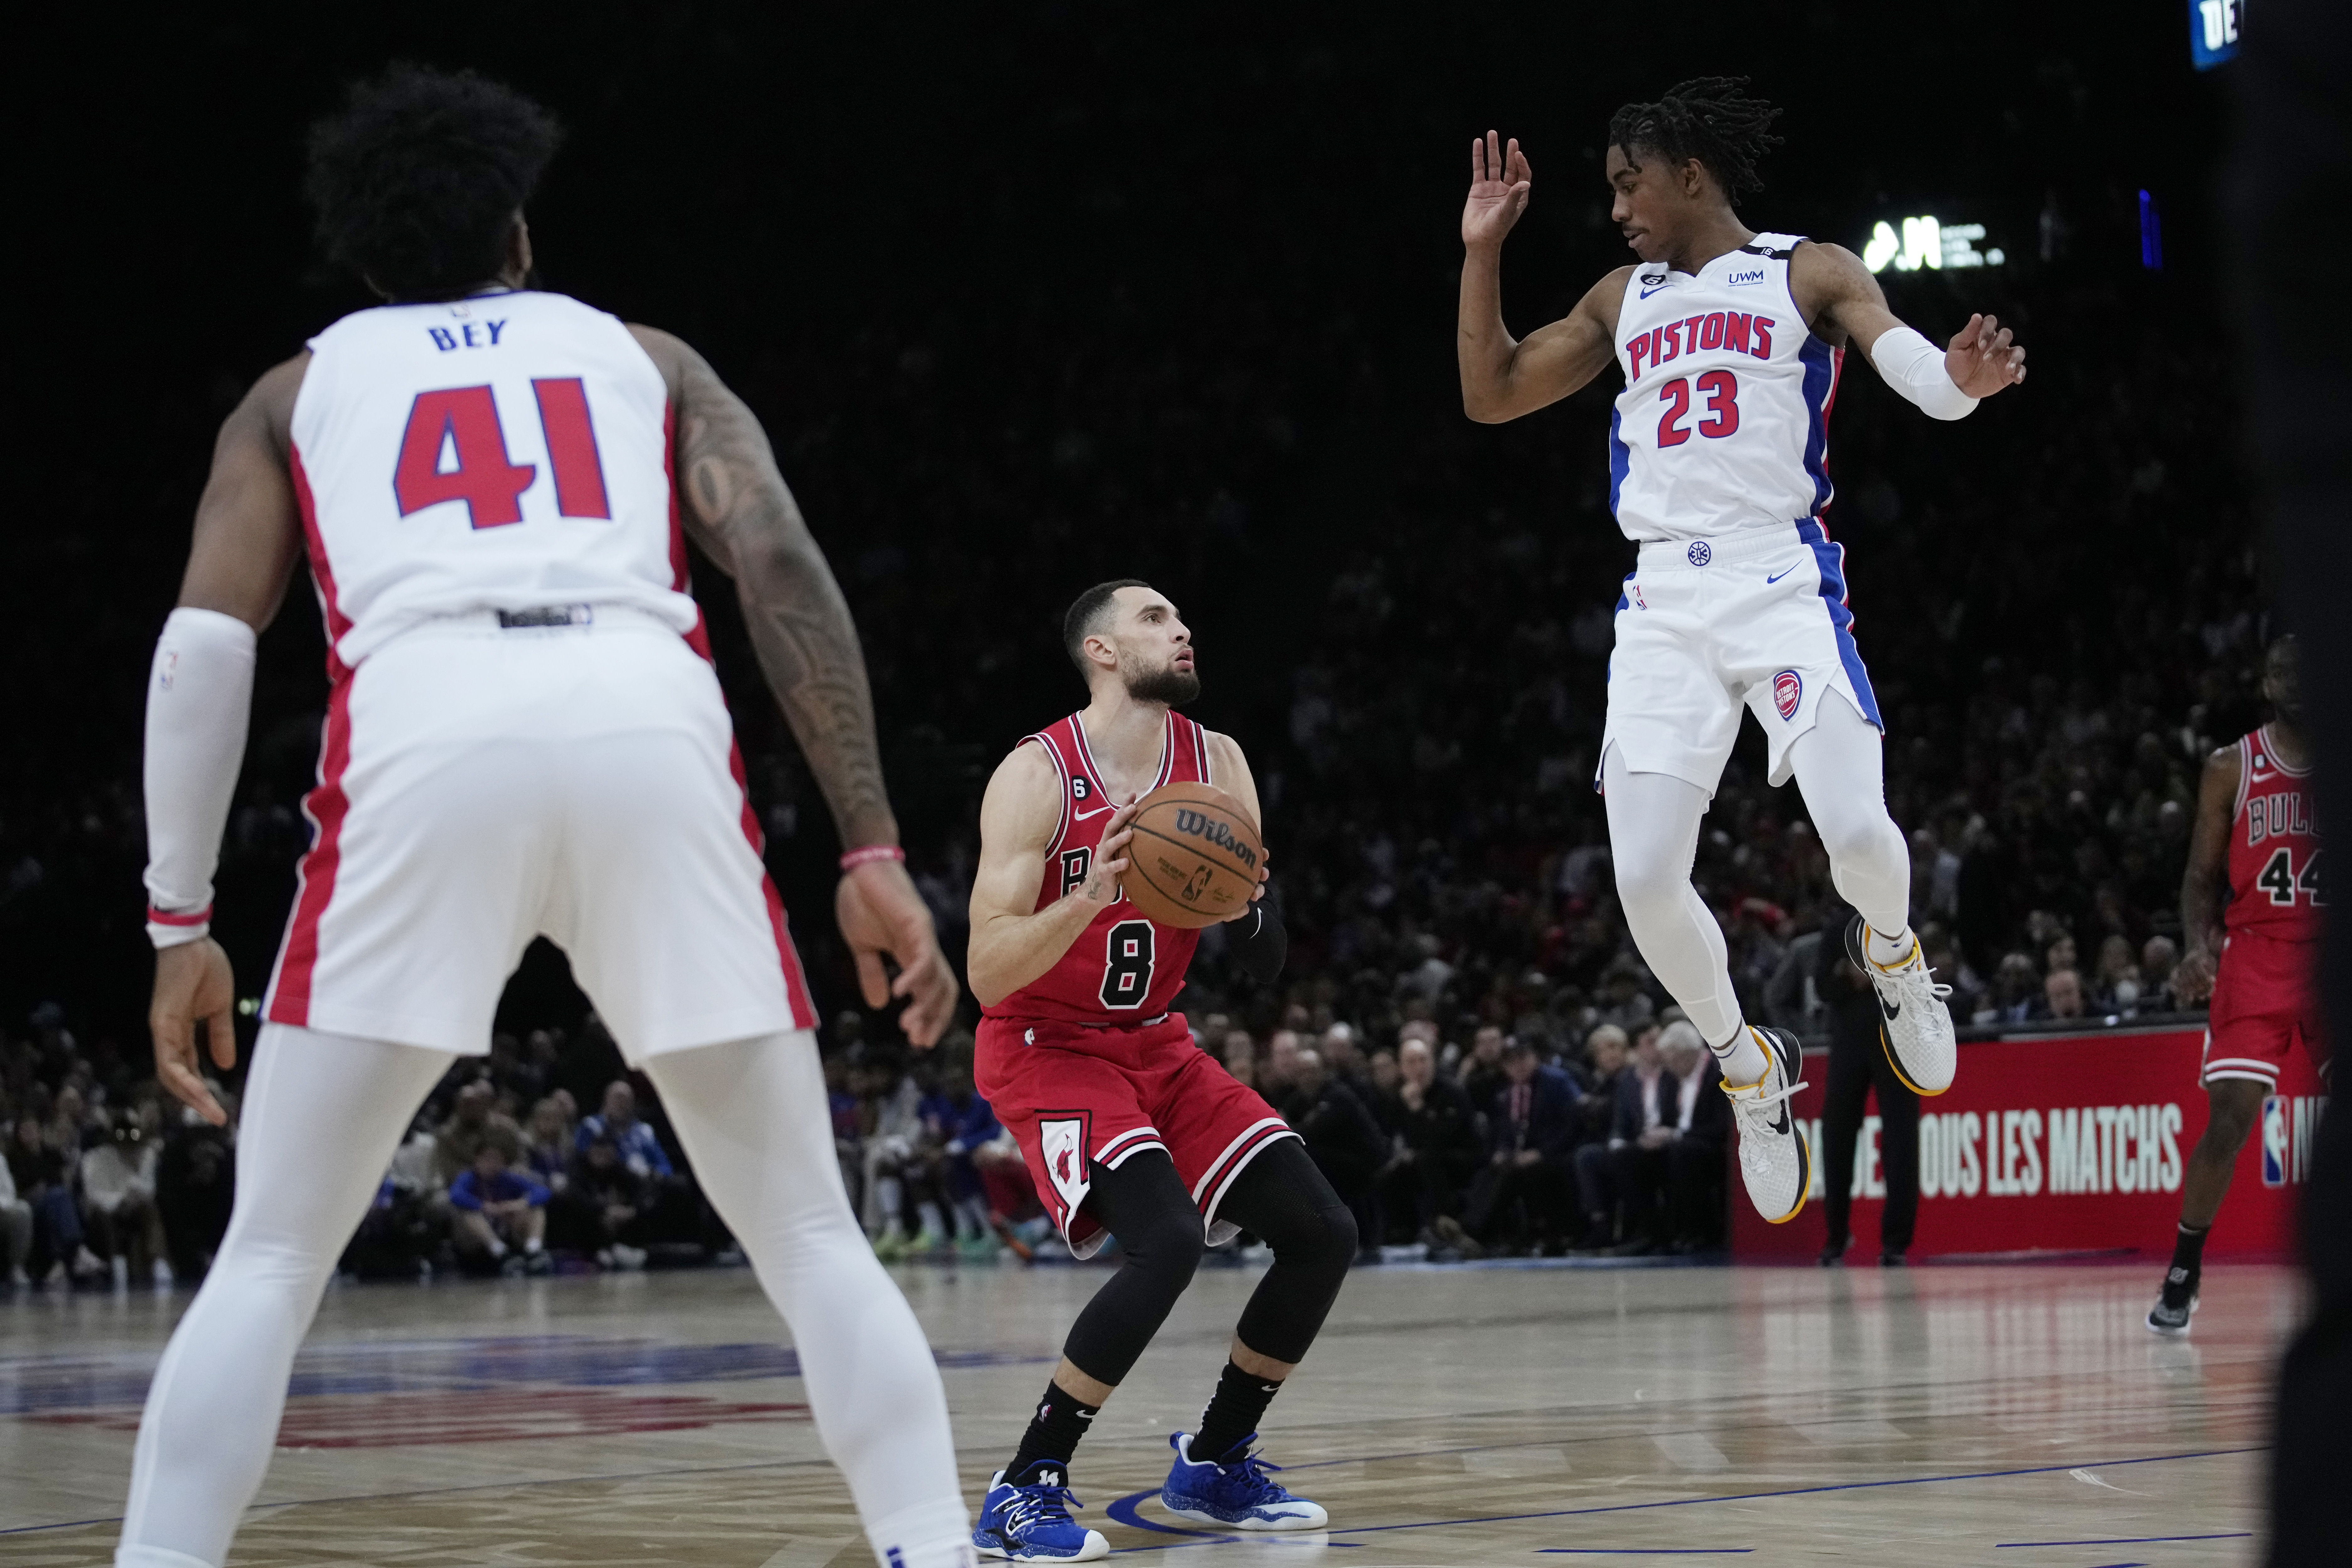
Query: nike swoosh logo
[1783, 573]
[1660, 288]
[1893, 1010]
[1082, 816]
[1782, 1127]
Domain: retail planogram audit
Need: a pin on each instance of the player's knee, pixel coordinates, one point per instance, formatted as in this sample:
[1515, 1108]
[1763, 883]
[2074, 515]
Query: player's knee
[2233, 1114]
[1646, 882]
[1321, 1239]
[1864, 841]
[1167, 1247]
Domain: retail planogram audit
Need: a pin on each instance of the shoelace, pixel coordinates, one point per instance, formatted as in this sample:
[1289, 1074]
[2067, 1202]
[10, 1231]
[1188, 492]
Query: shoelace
[1253, 1473]
[1041, 1505]
[1935, 987]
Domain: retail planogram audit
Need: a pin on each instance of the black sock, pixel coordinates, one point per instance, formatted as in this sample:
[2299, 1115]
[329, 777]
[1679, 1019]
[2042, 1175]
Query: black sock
[1233, 1413]
[2189, 1248]
[1052, 1436]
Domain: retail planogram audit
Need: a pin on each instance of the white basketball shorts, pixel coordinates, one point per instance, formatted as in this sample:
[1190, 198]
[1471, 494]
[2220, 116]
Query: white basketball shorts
[479, 787]
[1705, 625]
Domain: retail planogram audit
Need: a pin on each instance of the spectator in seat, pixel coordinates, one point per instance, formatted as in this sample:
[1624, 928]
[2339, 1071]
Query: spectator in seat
[1280, 1068]
[2062, 994]
[957, 1122]
[549, 1145]
[1341, 1059]
[893, 1150]
[1241, 1058]
[1858, 1068]
[1700, 1131]
[1530, 1139]
[1627, 1171]
[118, 1204]
[16, 1227]
[1381, 1078]
[640, 1147]
[1482, 1076]
[1434, 1136]
[600, 1211]
[44, 1184]
[2016, 992]
[195, 1187]
[495, 1210]
[2157, 959]
[474, 1121]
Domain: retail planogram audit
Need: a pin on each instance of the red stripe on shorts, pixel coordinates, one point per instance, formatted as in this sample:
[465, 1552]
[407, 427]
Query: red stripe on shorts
[289, 992]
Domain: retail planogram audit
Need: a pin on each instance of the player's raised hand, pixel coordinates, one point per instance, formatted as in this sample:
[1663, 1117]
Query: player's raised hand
[192, 982]
[880, 914]
[1982, 359]
[1501, 181]
[1110, 859]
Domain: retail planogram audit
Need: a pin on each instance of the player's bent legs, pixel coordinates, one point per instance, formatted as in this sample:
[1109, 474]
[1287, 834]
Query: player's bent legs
[1841, 770]
[752, 1115]
[323, 1115]
[1143, 1203]
[1653, 840]
[1284, 1199]
[2234, 1106]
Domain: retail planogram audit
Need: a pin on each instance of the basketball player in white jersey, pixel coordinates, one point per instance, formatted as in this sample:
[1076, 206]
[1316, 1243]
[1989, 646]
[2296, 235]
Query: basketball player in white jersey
[524, 736]
[1730, 342]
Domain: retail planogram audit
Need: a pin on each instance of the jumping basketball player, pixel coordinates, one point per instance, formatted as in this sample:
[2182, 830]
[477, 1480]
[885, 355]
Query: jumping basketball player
[524, 735]
[1128, 1128]
[2250, 905]
[1730, 342]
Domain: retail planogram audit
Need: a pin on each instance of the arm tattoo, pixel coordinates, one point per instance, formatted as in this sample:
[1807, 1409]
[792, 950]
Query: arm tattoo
[799, 622]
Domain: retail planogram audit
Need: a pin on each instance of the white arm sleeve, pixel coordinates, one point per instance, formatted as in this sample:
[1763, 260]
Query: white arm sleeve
[1915, 367]
[199, 700]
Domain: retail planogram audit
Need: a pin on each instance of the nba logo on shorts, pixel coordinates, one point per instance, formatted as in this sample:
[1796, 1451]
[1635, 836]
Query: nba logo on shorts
[2274, 1140]
[1788, 690]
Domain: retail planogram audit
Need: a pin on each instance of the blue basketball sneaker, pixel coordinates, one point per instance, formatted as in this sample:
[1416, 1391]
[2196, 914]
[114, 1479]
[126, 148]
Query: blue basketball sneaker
[1033, 1523]
[1238, 1494]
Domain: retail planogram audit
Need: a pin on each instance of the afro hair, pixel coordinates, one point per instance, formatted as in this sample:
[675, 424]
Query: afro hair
[417, 179]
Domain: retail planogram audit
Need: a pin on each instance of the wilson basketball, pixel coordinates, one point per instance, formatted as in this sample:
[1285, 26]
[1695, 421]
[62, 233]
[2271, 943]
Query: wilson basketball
[1194, 857]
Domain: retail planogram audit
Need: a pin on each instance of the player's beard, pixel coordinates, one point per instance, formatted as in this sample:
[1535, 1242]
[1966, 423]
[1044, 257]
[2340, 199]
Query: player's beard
[1167, 685]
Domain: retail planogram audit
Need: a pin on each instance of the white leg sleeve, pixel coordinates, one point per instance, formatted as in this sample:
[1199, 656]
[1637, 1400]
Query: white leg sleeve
[752, 1115]
[1840, 769]
[1653, 840]
[323, 1115]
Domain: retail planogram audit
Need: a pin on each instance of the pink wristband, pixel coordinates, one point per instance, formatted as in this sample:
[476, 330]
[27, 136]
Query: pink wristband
[184, 918]
[871, 852]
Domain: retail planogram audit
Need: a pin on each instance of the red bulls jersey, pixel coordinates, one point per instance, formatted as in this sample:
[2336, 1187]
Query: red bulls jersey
[1123, 970]
[2274, 887]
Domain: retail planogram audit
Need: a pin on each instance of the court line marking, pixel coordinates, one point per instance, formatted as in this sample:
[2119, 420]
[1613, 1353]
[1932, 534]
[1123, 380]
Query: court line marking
[2131, 1540]
[1123, 1510]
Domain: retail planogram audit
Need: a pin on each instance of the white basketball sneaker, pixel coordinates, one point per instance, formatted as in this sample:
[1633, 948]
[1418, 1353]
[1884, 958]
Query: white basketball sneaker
[1774, 1156]
[1913, 1024]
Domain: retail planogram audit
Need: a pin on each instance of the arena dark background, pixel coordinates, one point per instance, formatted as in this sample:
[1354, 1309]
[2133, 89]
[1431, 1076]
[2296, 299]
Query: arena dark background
[1032, 296]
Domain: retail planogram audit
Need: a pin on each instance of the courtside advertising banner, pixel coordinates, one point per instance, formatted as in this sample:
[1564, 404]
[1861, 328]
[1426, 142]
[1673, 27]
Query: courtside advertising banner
[2061, 1144]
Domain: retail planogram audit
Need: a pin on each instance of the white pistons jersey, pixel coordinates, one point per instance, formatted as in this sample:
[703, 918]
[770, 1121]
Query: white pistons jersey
[509, 451]
[1723, 425]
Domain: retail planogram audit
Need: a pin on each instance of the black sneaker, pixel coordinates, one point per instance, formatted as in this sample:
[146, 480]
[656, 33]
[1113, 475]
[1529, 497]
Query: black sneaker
[2174, 1308]
[1831, 1253]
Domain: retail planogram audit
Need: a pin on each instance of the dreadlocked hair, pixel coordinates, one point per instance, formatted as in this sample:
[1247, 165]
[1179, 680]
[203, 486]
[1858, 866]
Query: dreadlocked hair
[1707, 118]
[417, 178]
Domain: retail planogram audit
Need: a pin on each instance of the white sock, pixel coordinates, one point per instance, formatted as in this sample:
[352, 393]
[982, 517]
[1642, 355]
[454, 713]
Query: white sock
[498, 1247]
[533, 1244]
[927, 1535]
[1743, 1059]
[1889, 949]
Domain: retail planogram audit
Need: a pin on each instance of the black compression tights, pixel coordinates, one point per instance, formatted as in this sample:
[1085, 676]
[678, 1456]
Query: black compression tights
[1279, 1195]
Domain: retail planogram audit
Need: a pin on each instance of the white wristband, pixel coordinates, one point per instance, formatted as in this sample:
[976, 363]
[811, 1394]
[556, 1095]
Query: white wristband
[199, 700]
[1915, 367]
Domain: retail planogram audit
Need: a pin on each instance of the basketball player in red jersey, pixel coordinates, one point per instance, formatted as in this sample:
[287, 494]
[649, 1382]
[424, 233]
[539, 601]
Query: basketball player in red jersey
[2250, 908]
[524, 736]
[1128, 1128]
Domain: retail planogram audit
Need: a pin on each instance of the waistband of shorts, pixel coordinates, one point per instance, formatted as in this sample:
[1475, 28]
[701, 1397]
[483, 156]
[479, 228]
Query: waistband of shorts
[1036, 1031]
[1716, 550]
[539, 621]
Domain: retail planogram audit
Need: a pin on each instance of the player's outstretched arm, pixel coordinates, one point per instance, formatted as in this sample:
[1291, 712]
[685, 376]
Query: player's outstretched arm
[1503, 377]
[1013, 941]
[1843, 302]
[2205, 884]
[737, 506]
[241, 557]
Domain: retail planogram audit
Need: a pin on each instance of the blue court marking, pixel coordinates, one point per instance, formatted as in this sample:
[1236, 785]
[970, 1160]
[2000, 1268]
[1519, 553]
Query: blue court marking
[1642, 1551]
[1124, 1509]
[2134, 1539]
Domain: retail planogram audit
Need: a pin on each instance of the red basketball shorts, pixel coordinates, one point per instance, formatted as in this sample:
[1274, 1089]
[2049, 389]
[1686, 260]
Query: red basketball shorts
[2266, 1004]
[1079, 1100]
